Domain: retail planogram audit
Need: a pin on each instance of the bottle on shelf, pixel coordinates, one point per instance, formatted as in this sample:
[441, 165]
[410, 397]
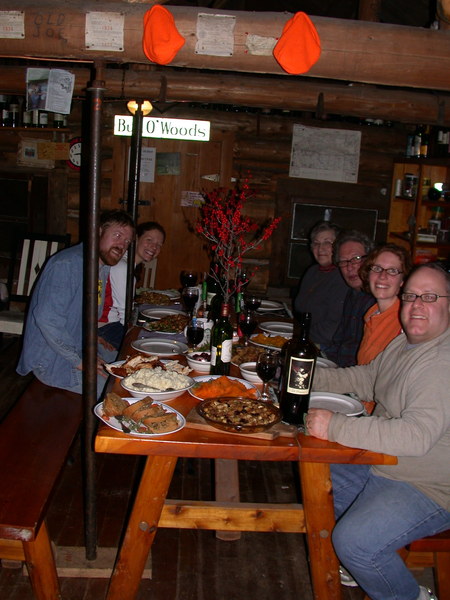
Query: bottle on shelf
[35, 117]
[417, 141]
[14, 112]
[300, 356]
[221, 343]
[4, 112]
[27, 118]
[425, 142]
[58, 121]
[42, 118]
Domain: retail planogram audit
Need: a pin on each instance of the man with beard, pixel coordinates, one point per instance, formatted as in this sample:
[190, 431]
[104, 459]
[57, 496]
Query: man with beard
[53, 337]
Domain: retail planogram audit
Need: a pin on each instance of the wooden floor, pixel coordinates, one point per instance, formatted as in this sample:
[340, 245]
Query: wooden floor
[186, 564]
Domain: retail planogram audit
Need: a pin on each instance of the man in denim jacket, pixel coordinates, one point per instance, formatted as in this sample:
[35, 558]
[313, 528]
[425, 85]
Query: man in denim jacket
[53, 337]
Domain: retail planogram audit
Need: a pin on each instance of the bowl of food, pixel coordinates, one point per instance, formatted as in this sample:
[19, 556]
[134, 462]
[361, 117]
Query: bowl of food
[239, 414]
[248, 372]
[199, 361]
[158, 384]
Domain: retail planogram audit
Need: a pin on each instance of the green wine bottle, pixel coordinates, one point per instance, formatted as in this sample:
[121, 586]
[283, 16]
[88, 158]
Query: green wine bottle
[221, 343]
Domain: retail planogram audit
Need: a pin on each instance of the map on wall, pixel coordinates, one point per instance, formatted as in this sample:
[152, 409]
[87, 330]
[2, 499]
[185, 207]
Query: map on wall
[325, 154]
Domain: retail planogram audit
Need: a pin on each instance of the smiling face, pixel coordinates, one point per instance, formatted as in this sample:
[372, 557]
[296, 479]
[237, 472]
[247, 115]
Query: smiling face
[113, 243]
[385, 288]
[149, 245]
[424, 321]
[322, 247]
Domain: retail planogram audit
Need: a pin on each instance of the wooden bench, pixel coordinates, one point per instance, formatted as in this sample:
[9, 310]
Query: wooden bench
[35, 439]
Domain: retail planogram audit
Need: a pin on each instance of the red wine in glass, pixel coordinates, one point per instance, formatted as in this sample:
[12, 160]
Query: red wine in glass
[266, 368]
[190, 296]
[194, 334]
[247, 324]
[252, 302]
[188, 278]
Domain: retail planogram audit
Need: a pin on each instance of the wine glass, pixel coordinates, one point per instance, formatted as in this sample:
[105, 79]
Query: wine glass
[194, 333]
[247, 324]
[266, 367]
[188, 278]
[190, 296]
[251, 302]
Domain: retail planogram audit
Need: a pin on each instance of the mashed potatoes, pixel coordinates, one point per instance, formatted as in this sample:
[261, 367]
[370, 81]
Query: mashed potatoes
[157, 380]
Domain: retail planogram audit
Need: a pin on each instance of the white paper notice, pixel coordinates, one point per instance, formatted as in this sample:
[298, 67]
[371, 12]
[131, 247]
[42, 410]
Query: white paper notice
[148, 161]
[12, 24]
[215, 34]
[326, 154]
[50, 89]
[104, 31]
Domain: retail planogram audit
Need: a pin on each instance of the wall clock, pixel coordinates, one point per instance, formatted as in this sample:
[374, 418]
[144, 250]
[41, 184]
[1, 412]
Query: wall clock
[74, 160]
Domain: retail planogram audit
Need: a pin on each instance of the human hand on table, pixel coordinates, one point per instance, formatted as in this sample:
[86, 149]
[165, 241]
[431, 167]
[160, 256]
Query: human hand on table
[100, 367]
[317, 421]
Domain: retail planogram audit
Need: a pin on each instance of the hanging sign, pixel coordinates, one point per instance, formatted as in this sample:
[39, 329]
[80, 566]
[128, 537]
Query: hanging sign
[170, 129]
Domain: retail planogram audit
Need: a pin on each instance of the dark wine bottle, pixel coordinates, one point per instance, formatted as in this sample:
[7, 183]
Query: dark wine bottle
[221, 343]
[212, 284]
[297, 376]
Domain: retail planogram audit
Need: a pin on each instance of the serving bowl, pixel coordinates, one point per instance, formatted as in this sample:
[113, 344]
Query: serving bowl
[248, 372]
[139, 390]
[239, 415]
[201, 366]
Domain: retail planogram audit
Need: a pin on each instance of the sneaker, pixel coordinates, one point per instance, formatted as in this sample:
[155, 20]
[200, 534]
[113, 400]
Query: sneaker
[425, 594]
[346, 578]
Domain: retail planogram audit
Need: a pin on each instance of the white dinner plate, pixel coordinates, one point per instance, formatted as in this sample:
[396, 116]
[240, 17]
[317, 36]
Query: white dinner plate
[159, 347]
[269, 306]
[324, 362]
[277, 328]
[336, 403]
[203, 378]
[159, 313]
[115, 423]
[118, 363]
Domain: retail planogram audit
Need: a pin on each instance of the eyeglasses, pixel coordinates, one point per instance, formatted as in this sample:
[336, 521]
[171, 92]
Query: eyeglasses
[318, 244]
[391, 271]
[351, 261]
[409, 297]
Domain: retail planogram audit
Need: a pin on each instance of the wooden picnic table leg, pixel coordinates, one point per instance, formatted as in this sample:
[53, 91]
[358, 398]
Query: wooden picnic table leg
[41, 566]
[317, 498]
[226, 473]
[141, 528]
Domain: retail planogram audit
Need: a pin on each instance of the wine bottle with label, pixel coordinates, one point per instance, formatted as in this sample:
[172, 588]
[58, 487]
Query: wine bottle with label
[221, 343]
[297, 376]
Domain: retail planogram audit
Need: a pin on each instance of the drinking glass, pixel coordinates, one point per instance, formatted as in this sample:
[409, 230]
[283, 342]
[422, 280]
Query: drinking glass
[194, 333]
[266, 367]
[188, 278]
[251, 302]
[247, 324]
[190, 296]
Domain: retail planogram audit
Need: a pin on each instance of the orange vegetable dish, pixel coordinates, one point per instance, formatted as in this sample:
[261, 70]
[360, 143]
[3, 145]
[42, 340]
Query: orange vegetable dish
[222, 386]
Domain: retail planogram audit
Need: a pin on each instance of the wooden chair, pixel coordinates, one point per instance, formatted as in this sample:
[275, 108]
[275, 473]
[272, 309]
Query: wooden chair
[149, 273]
[27, 259]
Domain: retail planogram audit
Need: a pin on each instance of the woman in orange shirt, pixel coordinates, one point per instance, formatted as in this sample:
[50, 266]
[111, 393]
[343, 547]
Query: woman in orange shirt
[382, 275]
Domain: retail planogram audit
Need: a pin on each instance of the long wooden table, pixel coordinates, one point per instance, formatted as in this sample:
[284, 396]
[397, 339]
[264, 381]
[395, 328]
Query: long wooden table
[314, 517]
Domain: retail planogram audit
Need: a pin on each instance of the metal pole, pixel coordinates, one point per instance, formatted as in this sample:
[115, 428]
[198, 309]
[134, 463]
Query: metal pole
[91, 266]
[134, 172]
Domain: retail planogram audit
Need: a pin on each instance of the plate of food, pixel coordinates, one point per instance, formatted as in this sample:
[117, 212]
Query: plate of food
[158, 383]
[213, 386]
[156, 297]
[239, 415]
[160, 313]
[270, 306]
[272, 342]
[242, 354]
[145, 417]
[160, 347]
[170, 323]
[123, 368]
[277, 328]
[336, 403]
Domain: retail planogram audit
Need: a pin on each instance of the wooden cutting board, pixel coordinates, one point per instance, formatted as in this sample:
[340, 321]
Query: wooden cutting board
[195, 421]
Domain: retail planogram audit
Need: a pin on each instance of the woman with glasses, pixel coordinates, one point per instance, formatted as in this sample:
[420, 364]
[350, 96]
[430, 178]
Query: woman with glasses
[322, 290]
[382, 275]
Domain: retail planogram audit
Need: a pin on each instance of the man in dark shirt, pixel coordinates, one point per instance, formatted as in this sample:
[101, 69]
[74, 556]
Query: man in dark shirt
[349, 252]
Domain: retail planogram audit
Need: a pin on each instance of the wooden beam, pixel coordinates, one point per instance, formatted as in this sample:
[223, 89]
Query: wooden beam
[353, 51]
[357, 100]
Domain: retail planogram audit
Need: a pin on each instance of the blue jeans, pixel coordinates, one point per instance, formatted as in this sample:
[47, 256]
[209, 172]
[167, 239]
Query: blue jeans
[375, 517]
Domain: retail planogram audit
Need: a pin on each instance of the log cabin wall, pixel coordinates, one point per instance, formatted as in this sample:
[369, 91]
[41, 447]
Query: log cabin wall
[244, 144]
